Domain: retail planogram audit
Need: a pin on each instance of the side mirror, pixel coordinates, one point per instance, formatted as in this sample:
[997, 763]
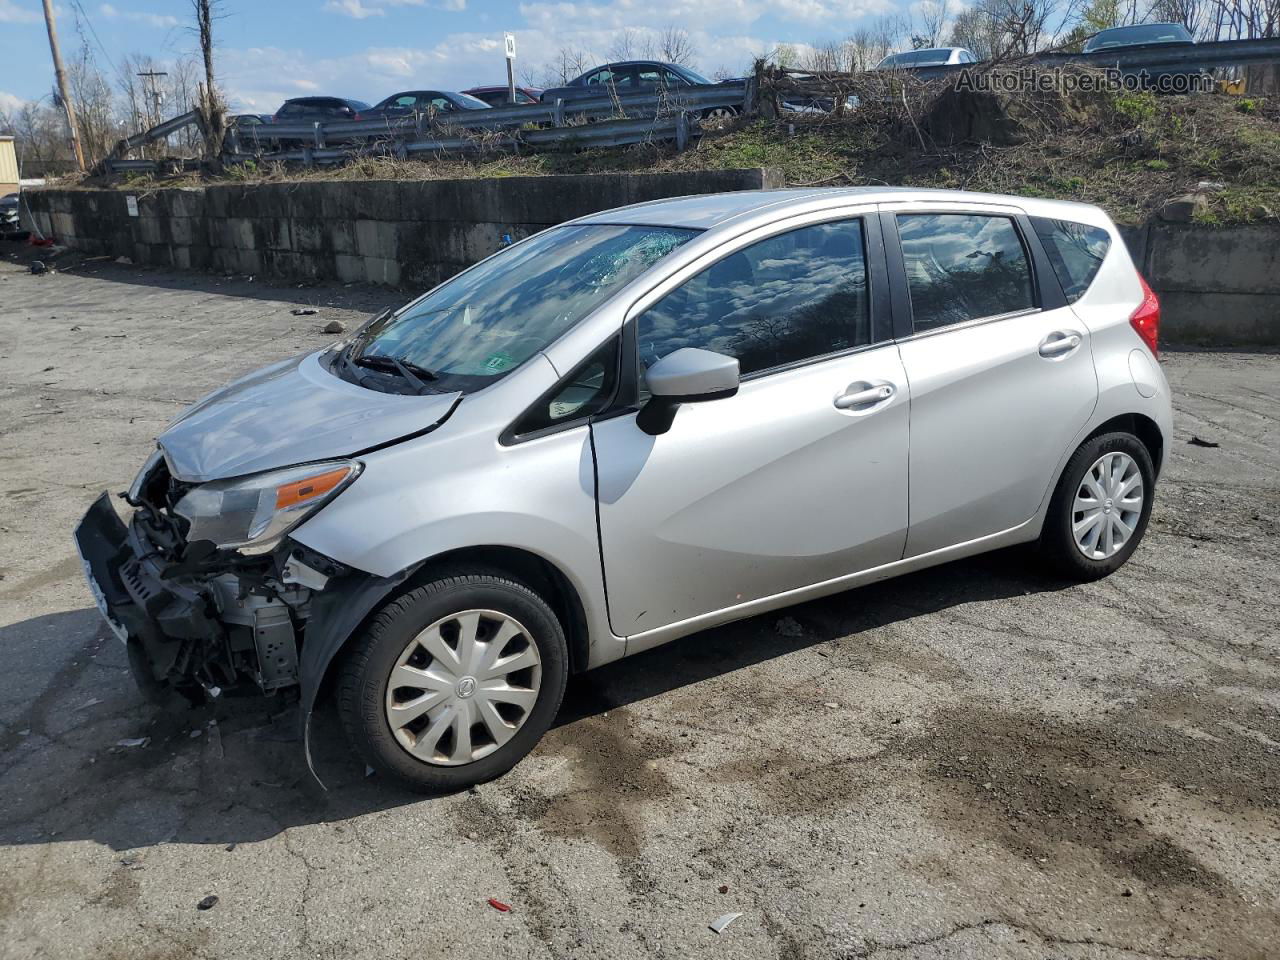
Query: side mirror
[690, 375]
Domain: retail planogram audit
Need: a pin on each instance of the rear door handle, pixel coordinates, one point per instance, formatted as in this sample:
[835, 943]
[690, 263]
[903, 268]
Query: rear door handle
[860, 398]
[1059, 343]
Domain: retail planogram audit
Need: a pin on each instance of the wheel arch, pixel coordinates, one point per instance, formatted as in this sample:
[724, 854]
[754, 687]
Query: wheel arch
[534, 571]
[1141, 426]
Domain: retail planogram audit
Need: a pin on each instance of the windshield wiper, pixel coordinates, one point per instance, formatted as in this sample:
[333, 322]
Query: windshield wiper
[410, 371]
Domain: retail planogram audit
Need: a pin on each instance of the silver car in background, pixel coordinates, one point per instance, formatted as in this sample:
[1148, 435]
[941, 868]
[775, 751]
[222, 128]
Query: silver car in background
[630, 428]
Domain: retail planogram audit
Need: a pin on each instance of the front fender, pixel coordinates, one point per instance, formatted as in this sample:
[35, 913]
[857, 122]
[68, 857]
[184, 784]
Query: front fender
[336, 614]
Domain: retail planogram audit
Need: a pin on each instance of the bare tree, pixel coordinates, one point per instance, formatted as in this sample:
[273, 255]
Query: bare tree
[934, 15]
[676, 46]
[210, 104]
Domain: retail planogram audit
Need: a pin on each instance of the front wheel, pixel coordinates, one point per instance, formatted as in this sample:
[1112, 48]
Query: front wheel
[1100, 507]
[454, 682]
[719, 113]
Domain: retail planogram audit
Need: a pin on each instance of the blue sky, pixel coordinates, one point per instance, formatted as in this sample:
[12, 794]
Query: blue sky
[272, 49]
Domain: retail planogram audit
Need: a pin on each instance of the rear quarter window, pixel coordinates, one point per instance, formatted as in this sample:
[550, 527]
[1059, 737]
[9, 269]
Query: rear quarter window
[1076, 251]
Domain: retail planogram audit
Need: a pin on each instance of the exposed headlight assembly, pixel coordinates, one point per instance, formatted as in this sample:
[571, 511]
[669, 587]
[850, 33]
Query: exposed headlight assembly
[251, 514]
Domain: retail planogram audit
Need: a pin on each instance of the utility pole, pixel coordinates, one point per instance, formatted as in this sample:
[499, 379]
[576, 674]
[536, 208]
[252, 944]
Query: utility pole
[149, 78]
[61, 74]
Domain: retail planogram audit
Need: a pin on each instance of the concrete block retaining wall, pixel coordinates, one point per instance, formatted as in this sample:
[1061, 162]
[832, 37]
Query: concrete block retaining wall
[1217, 285]
[403, 233]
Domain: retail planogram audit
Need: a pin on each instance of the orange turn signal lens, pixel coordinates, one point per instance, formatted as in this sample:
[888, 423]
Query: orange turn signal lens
[300, 491]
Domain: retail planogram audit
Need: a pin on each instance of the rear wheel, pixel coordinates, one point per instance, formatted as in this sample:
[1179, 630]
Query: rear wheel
[719, 113]
[1100, 508]
[454, 682]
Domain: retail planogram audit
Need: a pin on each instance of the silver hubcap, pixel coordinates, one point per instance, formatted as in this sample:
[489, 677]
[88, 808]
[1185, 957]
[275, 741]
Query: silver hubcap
[463, 687]
[1107, 506]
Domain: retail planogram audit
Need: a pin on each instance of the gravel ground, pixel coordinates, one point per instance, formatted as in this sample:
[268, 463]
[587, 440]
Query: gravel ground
[973, 761]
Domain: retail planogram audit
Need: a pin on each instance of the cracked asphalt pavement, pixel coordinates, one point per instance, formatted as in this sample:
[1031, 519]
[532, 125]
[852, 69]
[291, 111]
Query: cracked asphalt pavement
[972, 761]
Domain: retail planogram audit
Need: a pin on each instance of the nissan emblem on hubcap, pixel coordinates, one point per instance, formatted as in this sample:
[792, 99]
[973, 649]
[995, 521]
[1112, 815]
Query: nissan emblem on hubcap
[466, 686]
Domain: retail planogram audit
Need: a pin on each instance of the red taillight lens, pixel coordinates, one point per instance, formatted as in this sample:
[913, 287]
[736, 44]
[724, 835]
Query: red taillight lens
[1146, 319]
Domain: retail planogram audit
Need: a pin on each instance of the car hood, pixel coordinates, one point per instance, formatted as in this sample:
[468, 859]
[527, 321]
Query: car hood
[291, 412]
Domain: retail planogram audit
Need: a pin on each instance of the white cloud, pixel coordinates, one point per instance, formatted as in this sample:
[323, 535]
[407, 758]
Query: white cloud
[11, 12]
[158, 20]
[10, 103]
[354, 9]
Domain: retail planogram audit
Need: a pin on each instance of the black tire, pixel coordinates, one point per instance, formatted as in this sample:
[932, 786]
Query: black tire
[711, 113]
[363, 676]
[1057, 544]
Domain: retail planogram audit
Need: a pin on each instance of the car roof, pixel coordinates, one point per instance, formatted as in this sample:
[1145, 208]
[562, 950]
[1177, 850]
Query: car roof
[706, 211]
[497, 88]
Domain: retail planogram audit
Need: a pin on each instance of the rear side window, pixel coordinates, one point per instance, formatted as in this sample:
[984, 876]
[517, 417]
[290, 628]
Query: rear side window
[1076, 251]
[963, 267]
[791, 297]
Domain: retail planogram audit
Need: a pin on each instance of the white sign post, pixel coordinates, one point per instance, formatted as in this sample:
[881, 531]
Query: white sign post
[510, 40]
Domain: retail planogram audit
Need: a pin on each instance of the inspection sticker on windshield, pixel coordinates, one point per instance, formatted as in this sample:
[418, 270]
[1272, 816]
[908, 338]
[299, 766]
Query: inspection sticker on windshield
[498, 361]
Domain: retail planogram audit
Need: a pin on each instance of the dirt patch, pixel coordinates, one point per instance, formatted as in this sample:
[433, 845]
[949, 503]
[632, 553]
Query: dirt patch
[1034, 783]
[614, 776]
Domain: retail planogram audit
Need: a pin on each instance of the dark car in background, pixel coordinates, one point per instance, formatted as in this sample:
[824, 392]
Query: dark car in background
[497, 96]
[9, 215]
[1139, 35]
[320, 108]
[928, 57]
[632, 76]
[427, 101]
[1148, 36]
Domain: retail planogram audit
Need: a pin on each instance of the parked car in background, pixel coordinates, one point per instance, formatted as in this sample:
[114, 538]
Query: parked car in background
[426, 101]
[714, 406]
[1139, 35]
[632, 76]
[319, 108]
[1149, 36]
[497, 96]
[929, 57]
[9, 215]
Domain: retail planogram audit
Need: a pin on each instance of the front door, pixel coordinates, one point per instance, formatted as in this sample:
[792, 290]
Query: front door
[1002, 378]
[799, 478]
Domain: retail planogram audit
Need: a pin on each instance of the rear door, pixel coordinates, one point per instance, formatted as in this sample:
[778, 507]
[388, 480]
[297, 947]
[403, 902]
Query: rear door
[798, 479]
[1001, 372]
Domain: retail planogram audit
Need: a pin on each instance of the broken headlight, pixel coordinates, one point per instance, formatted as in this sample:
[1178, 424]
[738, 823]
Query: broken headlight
[251, 514]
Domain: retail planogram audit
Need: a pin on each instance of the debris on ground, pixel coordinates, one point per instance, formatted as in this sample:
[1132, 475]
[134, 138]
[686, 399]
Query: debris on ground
[333, 326]
[788, 627]
[724, 888]
[133, 742]
[208, 902]
[1197, 442]
[499, 905]
[305, 312]
[721, 923]
[38, 267]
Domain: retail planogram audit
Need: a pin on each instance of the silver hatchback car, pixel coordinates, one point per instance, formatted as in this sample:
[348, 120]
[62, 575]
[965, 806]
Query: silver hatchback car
[629, 428]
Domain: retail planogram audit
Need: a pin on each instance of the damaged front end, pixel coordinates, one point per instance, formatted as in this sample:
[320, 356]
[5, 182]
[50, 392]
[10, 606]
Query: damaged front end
[204, 585]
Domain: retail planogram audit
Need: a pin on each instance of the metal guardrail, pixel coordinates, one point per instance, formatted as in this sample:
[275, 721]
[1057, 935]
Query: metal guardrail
[627, 118]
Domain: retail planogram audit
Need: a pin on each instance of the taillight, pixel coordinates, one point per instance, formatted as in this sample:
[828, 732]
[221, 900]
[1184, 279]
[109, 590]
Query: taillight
[1146, 319]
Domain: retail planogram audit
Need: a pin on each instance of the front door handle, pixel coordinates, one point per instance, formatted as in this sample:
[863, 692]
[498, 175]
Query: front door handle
[1059, 343]
[862, 397]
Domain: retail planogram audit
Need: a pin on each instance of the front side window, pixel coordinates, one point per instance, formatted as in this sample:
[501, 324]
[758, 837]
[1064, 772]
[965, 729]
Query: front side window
[585, 392]
[1076, 251]
[792, 297]
[601, 76]
[963, 267]
[486, 322]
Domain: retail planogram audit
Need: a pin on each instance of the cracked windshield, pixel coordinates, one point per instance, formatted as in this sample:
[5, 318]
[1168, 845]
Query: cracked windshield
[489, 320]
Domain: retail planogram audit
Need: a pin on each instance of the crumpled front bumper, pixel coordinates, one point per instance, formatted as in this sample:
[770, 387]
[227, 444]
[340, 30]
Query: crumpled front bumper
[159, 620]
